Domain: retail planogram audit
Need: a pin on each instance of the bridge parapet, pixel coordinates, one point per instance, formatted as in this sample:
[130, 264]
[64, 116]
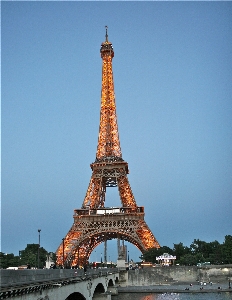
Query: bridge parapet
[22, 277]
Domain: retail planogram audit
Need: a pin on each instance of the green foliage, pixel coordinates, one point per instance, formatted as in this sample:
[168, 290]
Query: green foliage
[191, 259]
[180, 250]
[28, 256]
[9, 260]
[198, 252]
[226, 253]
[151, 254]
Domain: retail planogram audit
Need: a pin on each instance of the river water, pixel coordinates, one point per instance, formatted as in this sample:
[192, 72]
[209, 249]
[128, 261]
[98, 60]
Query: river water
[174, 296]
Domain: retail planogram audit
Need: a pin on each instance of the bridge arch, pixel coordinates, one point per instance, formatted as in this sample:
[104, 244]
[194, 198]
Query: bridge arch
[99, 289]
[110, 283]
[75, 296]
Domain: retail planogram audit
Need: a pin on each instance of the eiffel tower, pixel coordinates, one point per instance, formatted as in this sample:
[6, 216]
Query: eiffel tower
[94, 223]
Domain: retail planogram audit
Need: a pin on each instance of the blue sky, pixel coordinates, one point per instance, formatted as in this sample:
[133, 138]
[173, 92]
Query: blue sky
[172, 75]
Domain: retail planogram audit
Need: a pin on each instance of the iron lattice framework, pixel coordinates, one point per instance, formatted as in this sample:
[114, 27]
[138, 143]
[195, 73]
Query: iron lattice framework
[94, 223]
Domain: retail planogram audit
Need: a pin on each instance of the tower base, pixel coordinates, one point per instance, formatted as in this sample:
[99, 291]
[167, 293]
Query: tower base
[92, 227]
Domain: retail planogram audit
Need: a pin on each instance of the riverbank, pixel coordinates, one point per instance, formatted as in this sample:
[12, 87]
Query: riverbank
[157, 276]
[176, 288]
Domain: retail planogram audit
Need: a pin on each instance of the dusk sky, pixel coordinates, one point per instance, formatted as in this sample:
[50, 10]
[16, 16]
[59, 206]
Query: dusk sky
[173, 86]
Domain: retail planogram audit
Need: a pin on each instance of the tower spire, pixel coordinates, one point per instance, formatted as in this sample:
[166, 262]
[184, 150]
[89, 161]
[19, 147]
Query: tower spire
[108, 140]
[106, 27]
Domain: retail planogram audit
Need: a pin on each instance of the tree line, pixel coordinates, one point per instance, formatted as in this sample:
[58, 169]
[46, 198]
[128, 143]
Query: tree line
[27, 257]
[198, 252]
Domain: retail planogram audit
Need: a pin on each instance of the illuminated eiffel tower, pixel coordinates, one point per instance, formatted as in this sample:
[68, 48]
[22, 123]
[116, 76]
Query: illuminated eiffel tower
[94, 223]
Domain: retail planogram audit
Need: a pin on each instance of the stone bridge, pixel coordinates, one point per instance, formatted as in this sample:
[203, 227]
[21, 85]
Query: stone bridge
[59, 284]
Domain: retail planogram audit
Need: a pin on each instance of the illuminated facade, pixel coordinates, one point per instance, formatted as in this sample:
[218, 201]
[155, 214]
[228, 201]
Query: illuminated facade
[94, 223]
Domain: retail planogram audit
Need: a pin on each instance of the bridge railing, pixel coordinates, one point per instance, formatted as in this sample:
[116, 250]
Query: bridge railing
[23, 277]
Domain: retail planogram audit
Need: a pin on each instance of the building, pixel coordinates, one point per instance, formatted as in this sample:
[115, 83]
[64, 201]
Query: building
[166, 259]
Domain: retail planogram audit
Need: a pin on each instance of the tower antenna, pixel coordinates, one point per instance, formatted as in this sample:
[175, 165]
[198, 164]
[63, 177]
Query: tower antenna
[106, 27]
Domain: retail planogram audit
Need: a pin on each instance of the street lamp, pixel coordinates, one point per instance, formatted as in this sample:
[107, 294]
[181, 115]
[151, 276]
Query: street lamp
[128, 258]
[38, 246]
[6, 261]
[78, 253]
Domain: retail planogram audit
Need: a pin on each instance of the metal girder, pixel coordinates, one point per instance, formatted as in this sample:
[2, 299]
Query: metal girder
[88, 231]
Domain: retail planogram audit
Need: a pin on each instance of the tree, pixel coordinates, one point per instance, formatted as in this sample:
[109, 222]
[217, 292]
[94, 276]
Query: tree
[197, 246]
[215, 255]
[179, 250]
[191, 259]
[30, 255]
[151, 254]
[187, 260]
[201, 247]
[227, 250]
[8, 260]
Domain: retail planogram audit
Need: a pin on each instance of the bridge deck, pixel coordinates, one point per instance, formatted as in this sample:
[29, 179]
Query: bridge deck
[18, 282]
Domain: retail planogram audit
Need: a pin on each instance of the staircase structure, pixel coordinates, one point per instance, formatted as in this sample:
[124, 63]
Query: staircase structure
[95, 223]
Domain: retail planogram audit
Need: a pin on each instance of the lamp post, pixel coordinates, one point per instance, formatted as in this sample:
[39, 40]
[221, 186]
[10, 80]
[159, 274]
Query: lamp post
[128, 258]
[78, 253]
[6, 261]
[63, 252]
[230, 277]
[38, 246]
